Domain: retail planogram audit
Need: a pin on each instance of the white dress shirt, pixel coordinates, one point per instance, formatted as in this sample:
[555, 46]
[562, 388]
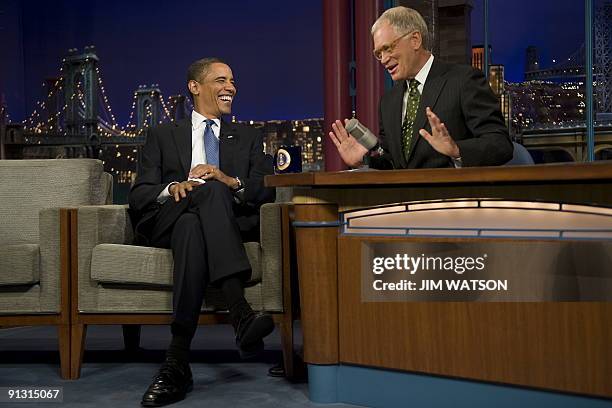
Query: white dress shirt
[421, 76]
[198, 153]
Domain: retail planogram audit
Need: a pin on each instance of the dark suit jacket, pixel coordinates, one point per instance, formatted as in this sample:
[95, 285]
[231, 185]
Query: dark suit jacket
[464, 102]
[166, 157]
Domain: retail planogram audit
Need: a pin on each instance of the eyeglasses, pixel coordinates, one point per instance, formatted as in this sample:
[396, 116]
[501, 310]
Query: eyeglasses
[388, 48]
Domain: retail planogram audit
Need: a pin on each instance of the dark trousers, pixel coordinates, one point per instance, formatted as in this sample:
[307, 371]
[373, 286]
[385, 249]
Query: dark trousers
[206, 244]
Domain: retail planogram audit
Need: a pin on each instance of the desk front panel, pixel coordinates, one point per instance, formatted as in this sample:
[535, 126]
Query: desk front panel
[565, 346]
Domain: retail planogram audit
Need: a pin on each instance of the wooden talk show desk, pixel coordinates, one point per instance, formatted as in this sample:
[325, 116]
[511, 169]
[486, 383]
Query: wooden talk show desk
[554, 346]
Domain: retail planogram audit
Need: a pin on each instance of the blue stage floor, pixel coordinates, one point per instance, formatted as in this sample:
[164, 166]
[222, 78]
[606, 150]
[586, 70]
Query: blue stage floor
[112, 378]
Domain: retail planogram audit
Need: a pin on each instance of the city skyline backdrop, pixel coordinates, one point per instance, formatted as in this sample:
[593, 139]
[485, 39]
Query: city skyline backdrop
[271, 50]
[275, 51]
[555, 28]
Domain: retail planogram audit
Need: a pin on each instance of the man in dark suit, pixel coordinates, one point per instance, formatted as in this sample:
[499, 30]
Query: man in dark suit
[198, 192]
[467, 128]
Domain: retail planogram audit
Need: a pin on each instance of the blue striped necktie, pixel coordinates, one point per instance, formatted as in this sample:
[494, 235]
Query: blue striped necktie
[211, 144]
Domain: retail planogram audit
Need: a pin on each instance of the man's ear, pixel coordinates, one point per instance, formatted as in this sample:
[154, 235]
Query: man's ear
[416, 40]
[193, 87]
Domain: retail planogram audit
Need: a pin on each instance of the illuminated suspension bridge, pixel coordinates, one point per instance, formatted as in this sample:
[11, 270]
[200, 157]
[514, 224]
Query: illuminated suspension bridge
[76, 118]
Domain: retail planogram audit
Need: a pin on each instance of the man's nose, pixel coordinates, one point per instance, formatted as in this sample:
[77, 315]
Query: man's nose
[385, 58]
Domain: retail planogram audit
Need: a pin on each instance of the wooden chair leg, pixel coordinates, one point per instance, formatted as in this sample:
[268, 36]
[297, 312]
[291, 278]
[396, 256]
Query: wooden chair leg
[63, 335]
[131, 336]
[286, 332]
[77, 342]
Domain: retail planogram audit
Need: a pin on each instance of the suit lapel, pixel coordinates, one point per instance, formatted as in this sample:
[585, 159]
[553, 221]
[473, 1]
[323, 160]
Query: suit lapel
[229, 140]
[431, 91]
[182, 138]
[395, 134]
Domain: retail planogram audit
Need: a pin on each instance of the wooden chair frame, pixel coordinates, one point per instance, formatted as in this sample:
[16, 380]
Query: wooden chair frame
[61, 319]
[131, 322]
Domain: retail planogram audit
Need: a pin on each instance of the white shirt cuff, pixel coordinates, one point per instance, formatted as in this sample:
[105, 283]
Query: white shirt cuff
[165, 194]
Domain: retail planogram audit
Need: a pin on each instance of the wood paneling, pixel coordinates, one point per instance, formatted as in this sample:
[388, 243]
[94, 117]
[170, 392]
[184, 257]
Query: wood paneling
[598, 193]
[287, 318]
[293, 179]
[317, 267]
[556, 346]
[473, 175]
[550, 345]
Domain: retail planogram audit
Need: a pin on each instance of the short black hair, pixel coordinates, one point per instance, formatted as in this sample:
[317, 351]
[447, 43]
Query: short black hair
[198, 69]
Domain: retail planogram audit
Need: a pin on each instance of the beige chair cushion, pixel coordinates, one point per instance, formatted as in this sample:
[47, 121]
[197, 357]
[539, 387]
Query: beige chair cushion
[19, 264]
[49, 183]
[137, 265]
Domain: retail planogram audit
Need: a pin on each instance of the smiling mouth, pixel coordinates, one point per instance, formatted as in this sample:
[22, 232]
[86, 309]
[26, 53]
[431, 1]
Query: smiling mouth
[226, 98]
[391, 69]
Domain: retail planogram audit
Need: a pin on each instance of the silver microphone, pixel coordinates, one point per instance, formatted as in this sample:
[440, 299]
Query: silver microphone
[362, 134]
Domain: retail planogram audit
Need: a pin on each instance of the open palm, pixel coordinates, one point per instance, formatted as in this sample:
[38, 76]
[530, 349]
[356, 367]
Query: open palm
[349, 149]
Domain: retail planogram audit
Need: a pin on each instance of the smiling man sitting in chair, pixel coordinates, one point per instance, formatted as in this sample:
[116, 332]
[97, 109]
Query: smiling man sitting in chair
[198, 192]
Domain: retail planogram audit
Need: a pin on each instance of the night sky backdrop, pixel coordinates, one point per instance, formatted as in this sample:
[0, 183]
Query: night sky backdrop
[555, 27]
[273, 46]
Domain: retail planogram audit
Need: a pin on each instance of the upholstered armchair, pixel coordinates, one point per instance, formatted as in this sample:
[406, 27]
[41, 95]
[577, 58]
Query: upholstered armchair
[35, 237]
[115, 282]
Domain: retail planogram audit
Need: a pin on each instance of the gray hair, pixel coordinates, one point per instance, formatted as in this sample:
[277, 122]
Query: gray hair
[404, 20]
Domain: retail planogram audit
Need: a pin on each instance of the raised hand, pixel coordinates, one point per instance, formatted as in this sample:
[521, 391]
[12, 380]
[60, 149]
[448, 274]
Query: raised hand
[439, 138]
[349, 149]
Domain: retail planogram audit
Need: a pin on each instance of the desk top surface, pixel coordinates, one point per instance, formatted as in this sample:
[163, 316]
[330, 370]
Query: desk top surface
[596, 171]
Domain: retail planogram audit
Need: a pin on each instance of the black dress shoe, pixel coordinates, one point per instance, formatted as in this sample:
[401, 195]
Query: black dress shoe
[277, 370]
[171, 384]
[250, 331]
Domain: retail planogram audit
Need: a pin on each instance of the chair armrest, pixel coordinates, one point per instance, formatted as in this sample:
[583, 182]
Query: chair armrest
[50, 259]
[104, 224]
[98, 224]
[108, 180]
[271, 251]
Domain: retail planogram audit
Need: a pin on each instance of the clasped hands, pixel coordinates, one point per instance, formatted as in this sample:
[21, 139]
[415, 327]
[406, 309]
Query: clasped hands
[203, 172]
[352, 152]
